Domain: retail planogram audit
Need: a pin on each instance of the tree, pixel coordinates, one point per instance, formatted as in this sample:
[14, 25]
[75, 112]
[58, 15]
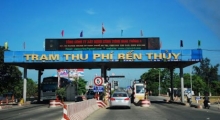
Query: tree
[31, 88]
[152, 79]
[198, 85]
[61, 92]
[81, 89]
[208, 73]
[215, 85]
[11, 76]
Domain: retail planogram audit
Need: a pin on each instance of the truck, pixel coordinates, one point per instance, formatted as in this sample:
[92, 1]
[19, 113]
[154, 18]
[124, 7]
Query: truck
[138, 92]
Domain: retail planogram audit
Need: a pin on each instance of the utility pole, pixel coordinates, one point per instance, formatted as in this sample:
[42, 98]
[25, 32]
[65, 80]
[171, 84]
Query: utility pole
[159, 82]
[191, 80]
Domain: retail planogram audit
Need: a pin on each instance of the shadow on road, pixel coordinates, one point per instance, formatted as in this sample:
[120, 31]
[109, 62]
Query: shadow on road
[118, 108]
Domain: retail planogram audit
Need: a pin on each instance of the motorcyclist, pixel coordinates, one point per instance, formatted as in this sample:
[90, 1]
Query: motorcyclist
[189, 96]
[206, 101]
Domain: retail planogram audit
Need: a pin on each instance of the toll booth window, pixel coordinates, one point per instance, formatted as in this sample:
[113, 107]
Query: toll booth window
[140, 89]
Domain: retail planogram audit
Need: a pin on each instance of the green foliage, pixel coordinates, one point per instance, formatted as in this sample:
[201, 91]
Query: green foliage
[61, 92]
[209, 74]
[81, 86]
[31, 88]
[204, 79]
[215, 85]
[10, 78]
[206, 71]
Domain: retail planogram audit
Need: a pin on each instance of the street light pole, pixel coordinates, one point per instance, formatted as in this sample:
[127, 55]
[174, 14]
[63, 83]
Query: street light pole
[191, 79]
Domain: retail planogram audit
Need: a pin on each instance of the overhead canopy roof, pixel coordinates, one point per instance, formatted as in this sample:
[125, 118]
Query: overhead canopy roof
[107, 64]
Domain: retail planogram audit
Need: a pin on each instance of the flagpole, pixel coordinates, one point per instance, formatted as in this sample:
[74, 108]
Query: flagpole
[43, 45]
[24, 45]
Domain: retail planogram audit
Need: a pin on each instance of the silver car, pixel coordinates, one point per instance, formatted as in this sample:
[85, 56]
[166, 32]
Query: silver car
[120, 99]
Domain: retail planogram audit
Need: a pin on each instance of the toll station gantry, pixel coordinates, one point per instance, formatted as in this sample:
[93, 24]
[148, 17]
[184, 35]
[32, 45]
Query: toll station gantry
[104, 54]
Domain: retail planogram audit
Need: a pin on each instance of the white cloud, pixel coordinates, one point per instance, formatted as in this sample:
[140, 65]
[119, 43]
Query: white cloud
[90, 12]
[207, 11]
[124, 24]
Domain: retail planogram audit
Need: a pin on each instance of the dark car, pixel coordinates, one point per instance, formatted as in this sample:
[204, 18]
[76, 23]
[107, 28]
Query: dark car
[90, 94]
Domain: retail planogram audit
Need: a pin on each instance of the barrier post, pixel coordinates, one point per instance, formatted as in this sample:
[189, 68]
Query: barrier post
[218, 104]
[65, 116]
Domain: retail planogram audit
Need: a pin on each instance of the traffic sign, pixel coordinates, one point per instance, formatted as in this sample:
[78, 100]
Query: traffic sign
[98, 88]
[98, 81]
[198, 98]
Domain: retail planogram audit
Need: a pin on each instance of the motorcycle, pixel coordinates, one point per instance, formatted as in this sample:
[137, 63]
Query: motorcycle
[207, 104]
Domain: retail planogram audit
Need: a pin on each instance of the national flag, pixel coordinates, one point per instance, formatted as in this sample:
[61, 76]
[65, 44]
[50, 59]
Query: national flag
[81, 34]
[141, 33]
[181, 43]
[121, 32]
[103, 29]
[24, 45]
[199, 43]
[62, 33]
[6, 45]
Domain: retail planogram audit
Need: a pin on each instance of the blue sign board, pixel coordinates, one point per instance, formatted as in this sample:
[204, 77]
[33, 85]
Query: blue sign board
[103, 56]
[98, 88]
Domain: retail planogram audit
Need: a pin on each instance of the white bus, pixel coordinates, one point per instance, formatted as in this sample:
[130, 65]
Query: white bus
[49, 86]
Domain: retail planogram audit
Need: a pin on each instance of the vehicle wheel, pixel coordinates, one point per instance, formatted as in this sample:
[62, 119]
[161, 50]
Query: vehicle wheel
[129, 107]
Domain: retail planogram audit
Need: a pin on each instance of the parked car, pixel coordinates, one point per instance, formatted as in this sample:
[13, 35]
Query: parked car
[120, 99]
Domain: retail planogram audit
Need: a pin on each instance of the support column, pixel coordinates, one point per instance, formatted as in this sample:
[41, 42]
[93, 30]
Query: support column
[182, 84]
[171, 84]
[39, 85]
[104, 73]
[25, 84]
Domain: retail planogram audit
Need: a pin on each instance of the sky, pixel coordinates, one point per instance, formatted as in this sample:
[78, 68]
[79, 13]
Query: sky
[31, 21]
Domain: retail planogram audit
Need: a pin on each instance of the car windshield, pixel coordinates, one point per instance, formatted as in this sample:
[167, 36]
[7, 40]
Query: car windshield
[120, 95]
[49, 87]
[140, 89]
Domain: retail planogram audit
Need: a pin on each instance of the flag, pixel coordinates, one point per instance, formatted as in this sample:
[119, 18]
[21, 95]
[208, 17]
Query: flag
[6, 45]
[199, 43]
[81, 34]
[62, 33]
[141, 33]
[103, 29]
[181, 43]
[121, 32]
[24, 45]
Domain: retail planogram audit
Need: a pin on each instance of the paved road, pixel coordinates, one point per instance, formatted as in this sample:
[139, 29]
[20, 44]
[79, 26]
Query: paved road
[32, 112]
[157, 111]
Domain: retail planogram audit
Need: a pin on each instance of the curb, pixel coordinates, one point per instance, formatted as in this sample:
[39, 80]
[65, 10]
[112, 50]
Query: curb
[187, 104]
